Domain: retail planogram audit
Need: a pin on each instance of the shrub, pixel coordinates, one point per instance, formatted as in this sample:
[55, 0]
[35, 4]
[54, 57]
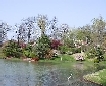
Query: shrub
[99, 54]
[29, 52]
[26, 53]
[96, 60]
[42, 47]
[55, 44]
[32, 55]
[75, 50]
[63, 49]
[96, 53]
[91, 53]
[12, 50]
[72, 50]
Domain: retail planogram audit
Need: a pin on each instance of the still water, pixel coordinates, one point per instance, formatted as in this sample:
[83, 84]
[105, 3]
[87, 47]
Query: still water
[18, 73]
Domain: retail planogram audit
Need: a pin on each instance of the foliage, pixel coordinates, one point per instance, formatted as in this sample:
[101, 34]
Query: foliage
[75, 50]
[43, 45]
[12, 50]
[29, 52]
[96, 53]
[42, 22]
[99, 54]
[96, 60]
[87, 37]
[4, 29]
[91, 53]
[99, 30]
[55, 44]
[63, 49]
[97, 77]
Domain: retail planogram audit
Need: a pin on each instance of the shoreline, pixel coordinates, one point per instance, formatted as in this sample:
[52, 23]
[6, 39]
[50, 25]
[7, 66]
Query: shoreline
[92, 81]
[96, 77]
[58, 60]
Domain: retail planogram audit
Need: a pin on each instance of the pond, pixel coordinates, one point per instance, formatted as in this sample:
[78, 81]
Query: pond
[18, 73]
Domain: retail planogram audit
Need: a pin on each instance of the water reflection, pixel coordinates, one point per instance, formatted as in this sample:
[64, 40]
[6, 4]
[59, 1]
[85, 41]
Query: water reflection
[43, 74]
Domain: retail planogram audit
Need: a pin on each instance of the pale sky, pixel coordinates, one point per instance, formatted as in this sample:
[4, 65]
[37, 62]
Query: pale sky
[72, 12]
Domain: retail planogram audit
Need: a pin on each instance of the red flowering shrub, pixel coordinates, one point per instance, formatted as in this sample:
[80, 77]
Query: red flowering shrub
[55, 44]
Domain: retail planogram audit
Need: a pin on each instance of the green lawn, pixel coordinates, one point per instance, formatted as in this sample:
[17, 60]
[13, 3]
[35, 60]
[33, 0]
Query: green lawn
[65, 58]
[1, 54]
[97, 77]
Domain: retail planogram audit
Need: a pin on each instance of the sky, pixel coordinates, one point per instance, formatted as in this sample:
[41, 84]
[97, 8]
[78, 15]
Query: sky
[72, 12]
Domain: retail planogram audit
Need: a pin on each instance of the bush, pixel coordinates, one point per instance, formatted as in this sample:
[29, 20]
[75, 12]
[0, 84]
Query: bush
[96, 53]
[32, 55]
[96, 60]
[12, 50]
[91, 53]
[42, 47]
[29, 52]
[75, 50]
[99, 54]
[26, 53]
[55, 44]
[63, 49]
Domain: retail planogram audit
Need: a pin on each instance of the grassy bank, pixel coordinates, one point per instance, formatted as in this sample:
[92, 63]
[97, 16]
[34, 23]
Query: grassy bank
[1, 54]
[97, 77]
[60, 58]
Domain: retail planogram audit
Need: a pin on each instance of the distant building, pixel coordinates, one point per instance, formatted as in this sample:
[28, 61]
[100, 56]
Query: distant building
[1, 34]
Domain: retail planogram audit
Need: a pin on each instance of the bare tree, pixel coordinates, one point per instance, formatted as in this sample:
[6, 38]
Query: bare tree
[99, 30]
[4, 28]
[42, 22]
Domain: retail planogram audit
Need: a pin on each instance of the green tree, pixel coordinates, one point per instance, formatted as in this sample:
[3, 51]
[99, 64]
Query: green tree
[99, 30]
[12, 50]
[69, 39]
[99, 54]
[43, 45]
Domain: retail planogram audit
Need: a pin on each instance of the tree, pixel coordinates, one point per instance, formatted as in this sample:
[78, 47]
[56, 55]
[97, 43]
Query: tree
[4, 28]
[26, 30]
[99, 54]
[85, 36]
[84, 33]
[43, 42]
[43, 45]
[55, 31]
[69, 38]
[99, 30]
[42, 22]
[12, 50]
[64, 32]
[21, 33]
